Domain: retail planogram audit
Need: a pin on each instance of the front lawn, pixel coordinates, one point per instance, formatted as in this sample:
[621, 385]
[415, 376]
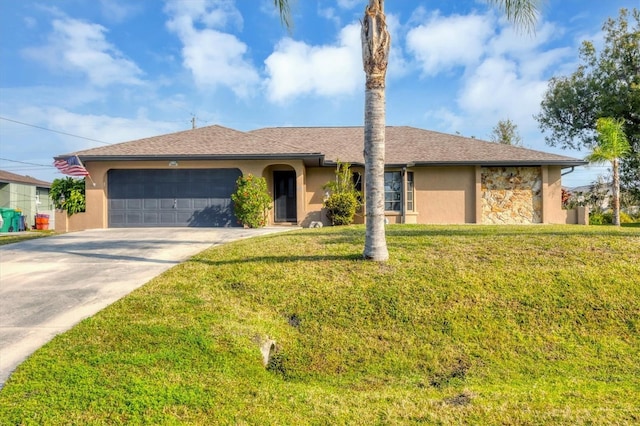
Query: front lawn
[465, 324]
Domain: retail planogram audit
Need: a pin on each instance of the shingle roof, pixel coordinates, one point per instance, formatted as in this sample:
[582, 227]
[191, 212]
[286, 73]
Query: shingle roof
[410, 145]
[208, 141]
[404, 145]
[9, 177]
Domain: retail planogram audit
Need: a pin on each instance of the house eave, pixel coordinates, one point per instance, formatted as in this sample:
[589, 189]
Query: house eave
[313, 159]
[508, 163]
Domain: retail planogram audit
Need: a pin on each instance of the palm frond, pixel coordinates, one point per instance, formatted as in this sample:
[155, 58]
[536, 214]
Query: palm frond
[523, 13]
[284, 8]
[612, 141]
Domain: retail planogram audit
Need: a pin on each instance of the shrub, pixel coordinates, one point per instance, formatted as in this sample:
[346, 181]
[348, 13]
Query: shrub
[596, 218]
[251, 201]
[599, 218]
[625, 218]
[68, 194]
[344, 199]
[341, 208]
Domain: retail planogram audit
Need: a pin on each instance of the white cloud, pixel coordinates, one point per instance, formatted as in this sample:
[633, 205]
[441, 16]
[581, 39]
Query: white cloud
[349, 4]
[495, 87]
[446, 42]
[296, 68]
[512, 41]
[398, 66]
[105, 128]
[39, 146]
[79, 46]
[446, 120]
[504, 73]
[30, 23]
[329, 14]
[214, 58]
[116, 10]
[217, 14]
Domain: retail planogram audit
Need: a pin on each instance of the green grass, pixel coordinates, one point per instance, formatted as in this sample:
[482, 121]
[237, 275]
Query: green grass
[465, 324]
[23, 236]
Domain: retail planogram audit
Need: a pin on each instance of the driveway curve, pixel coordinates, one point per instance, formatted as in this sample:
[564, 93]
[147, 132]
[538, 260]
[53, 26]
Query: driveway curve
[48, 285]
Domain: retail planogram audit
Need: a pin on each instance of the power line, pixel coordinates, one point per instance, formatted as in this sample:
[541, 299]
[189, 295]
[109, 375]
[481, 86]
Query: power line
[54, 131]
[24, 162]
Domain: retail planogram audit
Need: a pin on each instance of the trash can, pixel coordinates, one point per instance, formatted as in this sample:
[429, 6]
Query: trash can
[7, 219]
[42, 221]
[16, 222]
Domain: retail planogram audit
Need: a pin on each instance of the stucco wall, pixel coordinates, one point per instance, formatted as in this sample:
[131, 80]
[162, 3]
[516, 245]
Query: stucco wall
[553, 212]
[96, 187]
[444, 195]
[512, 195]
[314, 197]
[65, 223]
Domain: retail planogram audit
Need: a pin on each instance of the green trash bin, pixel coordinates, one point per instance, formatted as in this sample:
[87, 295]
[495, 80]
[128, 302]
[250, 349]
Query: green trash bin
[16, 224]
[7, 219]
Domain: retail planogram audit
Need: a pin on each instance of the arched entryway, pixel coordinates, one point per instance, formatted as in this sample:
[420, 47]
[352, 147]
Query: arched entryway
[283, 186]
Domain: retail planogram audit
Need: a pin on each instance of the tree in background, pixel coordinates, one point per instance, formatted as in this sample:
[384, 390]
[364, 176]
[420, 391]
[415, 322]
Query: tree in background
[506, 132]
[376, 43]
[68, 194]
[611, 146]
[604, 85]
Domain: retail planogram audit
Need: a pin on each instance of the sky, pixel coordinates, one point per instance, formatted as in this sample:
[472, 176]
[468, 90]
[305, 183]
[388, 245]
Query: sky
[78, 74]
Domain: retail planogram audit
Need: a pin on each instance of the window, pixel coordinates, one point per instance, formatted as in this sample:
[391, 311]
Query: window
[410, 206]
[393, 191]
[356, 177]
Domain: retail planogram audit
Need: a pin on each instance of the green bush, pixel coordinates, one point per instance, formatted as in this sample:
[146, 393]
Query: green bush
[341, 208]
[251, 201]
[344, 198]
[625, 218]
[596, 218]
[68, 194]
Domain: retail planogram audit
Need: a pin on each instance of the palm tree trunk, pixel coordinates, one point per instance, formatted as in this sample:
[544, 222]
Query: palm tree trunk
[375, 55]
[616, 192]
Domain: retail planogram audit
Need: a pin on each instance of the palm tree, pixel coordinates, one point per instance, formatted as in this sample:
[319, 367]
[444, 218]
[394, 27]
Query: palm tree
[375, 57]
[611, 146]
[376, 42]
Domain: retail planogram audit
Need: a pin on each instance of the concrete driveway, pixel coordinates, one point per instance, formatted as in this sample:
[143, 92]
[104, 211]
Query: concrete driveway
[48, 285]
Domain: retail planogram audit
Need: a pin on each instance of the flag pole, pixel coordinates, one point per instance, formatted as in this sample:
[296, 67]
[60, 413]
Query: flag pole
[88, 175]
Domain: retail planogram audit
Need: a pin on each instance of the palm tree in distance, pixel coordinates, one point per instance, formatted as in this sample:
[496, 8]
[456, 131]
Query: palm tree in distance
[376, 42]
[611, 146]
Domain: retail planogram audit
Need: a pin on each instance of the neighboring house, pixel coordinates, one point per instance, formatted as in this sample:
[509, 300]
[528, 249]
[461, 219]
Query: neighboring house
[186, 178]
[24, 193]
[597, 196]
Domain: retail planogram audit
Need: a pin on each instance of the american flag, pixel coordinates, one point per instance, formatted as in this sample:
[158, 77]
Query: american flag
[71, 166]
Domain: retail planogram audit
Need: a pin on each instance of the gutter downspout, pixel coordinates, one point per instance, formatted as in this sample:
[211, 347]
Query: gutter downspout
[570, 171]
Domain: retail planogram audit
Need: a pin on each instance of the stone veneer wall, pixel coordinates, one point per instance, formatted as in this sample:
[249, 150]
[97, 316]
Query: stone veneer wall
[511, 195]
